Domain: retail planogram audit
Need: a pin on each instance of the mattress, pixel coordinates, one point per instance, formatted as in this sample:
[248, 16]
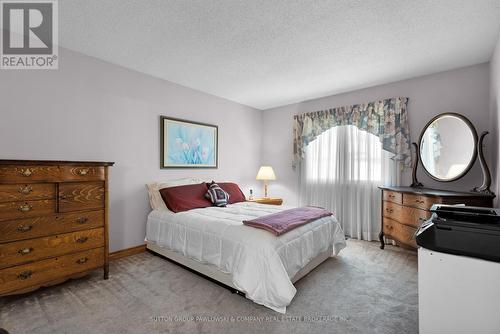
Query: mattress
[261, 264]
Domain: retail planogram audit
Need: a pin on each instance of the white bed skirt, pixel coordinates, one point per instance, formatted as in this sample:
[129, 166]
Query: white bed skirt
[226, 278]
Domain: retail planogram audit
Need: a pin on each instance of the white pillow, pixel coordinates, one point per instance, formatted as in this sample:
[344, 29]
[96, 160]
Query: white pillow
[155, 199]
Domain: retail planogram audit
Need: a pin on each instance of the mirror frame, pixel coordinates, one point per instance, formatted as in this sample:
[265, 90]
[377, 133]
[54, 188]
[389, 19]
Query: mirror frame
[474, 154]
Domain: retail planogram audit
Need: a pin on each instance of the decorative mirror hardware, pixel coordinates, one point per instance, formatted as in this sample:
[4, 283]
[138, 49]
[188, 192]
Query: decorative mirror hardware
[415, 182]
[485, 187]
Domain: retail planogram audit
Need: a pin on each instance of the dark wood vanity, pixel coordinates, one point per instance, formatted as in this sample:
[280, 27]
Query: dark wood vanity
[447, 149]
[405, 208]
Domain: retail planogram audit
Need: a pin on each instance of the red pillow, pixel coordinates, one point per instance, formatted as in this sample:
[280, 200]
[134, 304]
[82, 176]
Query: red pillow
[187, 197]
[235, 193]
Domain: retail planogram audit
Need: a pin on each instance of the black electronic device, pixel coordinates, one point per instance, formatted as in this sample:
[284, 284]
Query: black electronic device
[462, 230]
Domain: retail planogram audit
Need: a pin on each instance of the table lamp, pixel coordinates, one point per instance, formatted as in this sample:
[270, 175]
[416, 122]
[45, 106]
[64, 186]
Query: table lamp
[265, 174]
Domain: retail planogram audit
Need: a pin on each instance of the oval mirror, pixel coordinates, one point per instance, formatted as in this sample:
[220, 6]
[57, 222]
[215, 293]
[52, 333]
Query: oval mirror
[448, 147]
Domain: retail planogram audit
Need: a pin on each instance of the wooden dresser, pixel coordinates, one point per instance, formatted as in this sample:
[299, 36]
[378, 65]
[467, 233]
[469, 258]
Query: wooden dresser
[405, 208]
[53, 222]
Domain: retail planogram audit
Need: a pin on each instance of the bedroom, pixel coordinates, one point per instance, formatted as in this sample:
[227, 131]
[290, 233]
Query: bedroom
[240, 70]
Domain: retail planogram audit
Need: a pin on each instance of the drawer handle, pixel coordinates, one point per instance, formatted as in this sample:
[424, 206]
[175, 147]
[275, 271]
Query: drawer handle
[63, 197]
[82, 260]
[25, 275]
[83, 171]
[422, 219]
[389, 210]
[82, 220]
[26, 190]
[25, 207]
[27, 172]
[25, 251]
[419, 201]
[389, 227]
[82, 240]
[24, 228]
[391, 196]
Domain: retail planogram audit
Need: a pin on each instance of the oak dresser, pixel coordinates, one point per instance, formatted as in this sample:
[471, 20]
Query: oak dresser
[53, 222]
[405, 208]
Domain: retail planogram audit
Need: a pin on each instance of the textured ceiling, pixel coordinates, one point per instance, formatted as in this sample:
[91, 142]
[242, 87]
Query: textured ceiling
[267, 53]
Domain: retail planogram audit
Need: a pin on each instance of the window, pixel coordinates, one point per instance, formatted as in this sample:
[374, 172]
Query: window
[344, 153]
[341, 172]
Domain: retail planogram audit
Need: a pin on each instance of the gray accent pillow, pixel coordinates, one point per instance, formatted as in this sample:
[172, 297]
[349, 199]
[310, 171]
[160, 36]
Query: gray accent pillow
[217, 195]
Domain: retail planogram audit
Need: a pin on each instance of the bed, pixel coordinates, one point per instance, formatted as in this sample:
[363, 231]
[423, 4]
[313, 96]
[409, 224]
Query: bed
[214, 242]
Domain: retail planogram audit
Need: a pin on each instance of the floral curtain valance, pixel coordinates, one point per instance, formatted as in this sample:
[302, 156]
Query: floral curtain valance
[387, 119]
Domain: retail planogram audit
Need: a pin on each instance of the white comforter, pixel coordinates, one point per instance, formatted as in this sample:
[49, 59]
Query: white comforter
[260, 263]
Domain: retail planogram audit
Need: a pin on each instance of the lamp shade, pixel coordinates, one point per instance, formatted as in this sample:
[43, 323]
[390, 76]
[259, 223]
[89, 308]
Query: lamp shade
[266, 173]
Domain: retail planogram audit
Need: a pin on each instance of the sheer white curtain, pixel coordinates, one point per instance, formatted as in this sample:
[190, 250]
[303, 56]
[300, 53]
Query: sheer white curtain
[341, 171]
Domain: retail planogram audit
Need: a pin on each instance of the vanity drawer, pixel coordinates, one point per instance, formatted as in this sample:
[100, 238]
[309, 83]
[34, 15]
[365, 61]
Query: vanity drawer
[82, 173]
[25, 209]
[49, 225]
[81, 196]
[413, 217]
[19, 252]
[401, 233]
[27, 174]
[27, 192]
[392, 196]
[36, 274]
[391, 210]
[420, 201]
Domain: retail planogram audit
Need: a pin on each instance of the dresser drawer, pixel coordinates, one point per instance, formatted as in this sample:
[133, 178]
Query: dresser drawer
[37, 273]
[391, 210]
[420, 201]
[401, 233]
[412, 216]
[19, 252]
[81, 196]
[27, 192]
[392, 196]
[19, 210]
[49, 225]
[27, 174]
[82, 173]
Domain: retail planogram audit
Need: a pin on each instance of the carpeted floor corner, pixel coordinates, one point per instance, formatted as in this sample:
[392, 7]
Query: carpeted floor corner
[363, 290]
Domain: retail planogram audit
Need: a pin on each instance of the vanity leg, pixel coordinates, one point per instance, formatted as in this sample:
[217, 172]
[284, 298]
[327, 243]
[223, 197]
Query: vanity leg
[381, 234]
[381, 238]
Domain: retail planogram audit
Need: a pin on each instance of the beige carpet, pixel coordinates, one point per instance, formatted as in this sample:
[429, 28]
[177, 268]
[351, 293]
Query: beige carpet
[364, 290]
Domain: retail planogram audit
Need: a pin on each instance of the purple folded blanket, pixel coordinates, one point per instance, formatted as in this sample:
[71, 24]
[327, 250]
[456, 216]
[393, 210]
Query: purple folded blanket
[284, 221]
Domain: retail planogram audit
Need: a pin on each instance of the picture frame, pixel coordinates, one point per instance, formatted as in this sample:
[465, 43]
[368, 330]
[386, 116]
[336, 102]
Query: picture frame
[188, 144]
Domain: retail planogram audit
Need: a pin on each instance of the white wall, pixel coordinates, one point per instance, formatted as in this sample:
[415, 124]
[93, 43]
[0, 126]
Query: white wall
[465, 91]
[495, 119]
[92, 110]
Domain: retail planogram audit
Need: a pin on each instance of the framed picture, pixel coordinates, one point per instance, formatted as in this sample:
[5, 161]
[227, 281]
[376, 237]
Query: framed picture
[187, 144]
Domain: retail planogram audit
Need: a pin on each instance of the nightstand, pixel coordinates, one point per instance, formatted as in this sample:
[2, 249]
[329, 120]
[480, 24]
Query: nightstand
[267, 200]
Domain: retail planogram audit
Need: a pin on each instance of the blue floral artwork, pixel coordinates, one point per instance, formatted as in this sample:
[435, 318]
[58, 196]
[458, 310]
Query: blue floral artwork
[187, 144]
